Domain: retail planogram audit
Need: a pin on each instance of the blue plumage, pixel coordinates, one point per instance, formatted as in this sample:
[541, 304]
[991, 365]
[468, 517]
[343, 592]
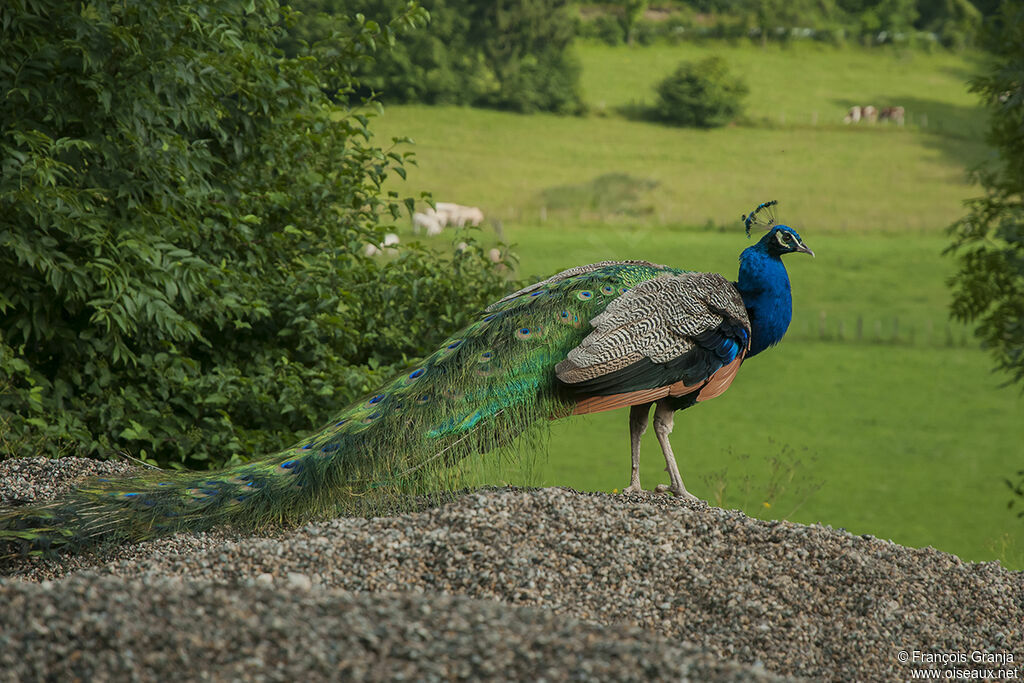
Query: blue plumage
[764, 285]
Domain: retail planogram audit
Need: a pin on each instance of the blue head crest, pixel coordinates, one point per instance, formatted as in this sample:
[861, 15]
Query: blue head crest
[763, 214]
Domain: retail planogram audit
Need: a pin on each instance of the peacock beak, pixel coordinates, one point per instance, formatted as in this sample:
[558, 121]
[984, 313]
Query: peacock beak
[803, 249]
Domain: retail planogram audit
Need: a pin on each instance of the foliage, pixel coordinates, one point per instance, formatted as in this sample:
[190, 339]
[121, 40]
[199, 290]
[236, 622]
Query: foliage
[633, 11]
[512, 54]
[953, 23]
[182, 212]
[702, 94]
[525, 44]
[430, 64]
[989, 240]
[604, 27]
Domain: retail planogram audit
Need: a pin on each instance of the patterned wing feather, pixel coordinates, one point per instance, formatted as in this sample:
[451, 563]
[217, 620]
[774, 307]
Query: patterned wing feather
[676, 333]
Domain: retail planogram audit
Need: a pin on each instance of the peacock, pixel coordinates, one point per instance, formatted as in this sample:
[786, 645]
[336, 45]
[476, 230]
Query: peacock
[597, 337]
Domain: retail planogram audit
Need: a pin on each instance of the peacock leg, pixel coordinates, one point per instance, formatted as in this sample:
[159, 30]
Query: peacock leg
[637, 426]
[663, 422]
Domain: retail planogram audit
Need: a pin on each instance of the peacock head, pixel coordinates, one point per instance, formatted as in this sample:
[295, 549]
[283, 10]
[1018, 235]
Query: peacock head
[783, 239]
[780, 239]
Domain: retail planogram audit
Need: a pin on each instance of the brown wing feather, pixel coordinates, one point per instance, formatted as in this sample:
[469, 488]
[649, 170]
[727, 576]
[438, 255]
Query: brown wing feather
[716, 385]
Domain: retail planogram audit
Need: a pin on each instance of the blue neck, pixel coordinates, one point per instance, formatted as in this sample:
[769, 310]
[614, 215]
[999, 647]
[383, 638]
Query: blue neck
[764, 285]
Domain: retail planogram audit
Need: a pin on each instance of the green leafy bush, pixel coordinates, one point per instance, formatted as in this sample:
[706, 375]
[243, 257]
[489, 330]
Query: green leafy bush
[702, 94]
[182, 213]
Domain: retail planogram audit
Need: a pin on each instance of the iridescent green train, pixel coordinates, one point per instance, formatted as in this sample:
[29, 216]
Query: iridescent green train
[488, 383]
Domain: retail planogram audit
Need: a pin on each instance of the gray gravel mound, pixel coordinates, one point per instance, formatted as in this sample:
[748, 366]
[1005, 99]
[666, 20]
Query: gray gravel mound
[648, 573]
[173, 629]
[32, 479]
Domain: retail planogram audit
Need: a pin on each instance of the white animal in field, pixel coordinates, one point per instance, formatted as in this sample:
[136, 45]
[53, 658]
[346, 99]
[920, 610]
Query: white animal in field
[434, 219]
[428, 221]
[472, 215]
[446, 213]
[458, 215]
[869, 113]
[390, 239]
[852, 116]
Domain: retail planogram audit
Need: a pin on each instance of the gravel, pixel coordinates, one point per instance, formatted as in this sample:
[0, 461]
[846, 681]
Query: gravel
[509, 584]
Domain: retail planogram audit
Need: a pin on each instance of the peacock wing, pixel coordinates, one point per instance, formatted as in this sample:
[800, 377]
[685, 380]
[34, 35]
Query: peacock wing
[673, 335]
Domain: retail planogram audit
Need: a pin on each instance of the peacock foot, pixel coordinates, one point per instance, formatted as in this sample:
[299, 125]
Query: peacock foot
[635, 488]
[679, 492]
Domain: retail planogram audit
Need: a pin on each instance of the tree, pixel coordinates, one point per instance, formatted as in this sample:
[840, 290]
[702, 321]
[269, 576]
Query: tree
[182, 213]
[775, 17]
[989, 241]
[700, 94]
[525, 45]
[507, 54]
[633, 11]
[431, 64]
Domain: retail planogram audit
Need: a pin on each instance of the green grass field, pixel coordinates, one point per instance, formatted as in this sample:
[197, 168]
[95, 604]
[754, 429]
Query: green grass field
[875, 413]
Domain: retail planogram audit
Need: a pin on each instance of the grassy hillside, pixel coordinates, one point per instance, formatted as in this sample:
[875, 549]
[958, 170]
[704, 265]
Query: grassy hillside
[899, 431]
[880, 179]
[802, 84]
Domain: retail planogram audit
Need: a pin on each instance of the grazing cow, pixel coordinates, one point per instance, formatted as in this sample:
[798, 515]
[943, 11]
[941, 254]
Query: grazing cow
[860, 113]
[894, 114]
